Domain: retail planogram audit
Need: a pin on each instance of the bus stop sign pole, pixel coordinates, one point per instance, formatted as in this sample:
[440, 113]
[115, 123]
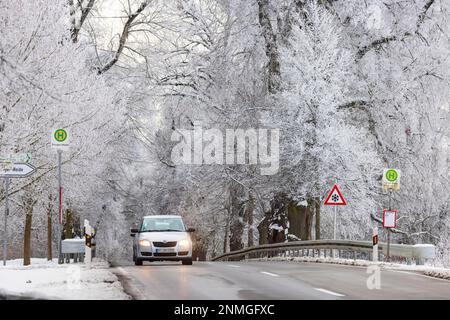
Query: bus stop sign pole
[5, 234]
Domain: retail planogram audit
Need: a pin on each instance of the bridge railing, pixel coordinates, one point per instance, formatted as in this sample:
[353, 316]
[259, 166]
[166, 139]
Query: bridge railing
[322, 248]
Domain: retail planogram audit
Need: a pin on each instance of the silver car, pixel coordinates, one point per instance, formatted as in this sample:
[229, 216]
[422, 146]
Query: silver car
[162, 238]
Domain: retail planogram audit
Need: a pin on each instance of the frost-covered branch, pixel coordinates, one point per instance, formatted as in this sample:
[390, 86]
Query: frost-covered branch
[376, 44]
[77, 24]
[124, 36]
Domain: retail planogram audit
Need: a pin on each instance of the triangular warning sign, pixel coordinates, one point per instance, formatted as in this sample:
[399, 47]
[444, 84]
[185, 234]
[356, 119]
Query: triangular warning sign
[335, 198]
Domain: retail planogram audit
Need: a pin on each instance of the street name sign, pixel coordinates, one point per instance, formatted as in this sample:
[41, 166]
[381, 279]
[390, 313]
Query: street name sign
[335, 197]
[17, 170]
[16, 158]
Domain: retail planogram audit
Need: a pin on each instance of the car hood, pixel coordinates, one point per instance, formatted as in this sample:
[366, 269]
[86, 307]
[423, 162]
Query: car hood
[161, 236]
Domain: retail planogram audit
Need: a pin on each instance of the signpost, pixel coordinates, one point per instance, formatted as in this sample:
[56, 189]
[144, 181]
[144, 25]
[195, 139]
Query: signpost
[60, 139]
[10, 170]
[335, 199]
[391, 182]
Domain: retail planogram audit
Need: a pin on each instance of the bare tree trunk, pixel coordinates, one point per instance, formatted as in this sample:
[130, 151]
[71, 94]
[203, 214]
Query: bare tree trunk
[68, 225]
[317, 202]
[27, 240]
[236, 230]
[237, 208]
[295, 216]
[263, 229]
[28, 208]
[309, 218]
[227, 233]
[270, 38]
[250, 209]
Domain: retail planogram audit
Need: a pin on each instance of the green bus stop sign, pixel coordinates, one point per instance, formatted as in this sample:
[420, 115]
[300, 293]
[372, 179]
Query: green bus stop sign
[392, 175]
[60, 135]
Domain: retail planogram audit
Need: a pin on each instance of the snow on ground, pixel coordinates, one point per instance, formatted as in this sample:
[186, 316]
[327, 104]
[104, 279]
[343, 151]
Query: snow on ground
[428, 270]
[50, 280]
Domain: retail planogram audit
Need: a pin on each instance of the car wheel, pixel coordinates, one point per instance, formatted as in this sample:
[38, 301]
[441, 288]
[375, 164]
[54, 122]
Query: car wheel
[187, 262]
[138, 262]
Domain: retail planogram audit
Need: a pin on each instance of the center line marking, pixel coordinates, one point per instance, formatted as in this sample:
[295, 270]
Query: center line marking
[330, 292]
[233, 266]
[270, 274]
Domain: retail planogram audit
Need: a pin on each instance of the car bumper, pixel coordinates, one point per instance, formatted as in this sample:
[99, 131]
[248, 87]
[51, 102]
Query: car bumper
[156, 255]
[164, 258]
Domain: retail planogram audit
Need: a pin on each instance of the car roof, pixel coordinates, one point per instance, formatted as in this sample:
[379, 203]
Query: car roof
[163, 216]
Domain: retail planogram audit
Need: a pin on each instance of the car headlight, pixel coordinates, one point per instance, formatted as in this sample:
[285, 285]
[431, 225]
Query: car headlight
[144, 243]
[184, 244]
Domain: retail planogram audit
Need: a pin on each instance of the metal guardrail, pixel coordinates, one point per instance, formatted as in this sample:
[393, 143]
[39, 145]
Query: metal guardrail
[297, 248]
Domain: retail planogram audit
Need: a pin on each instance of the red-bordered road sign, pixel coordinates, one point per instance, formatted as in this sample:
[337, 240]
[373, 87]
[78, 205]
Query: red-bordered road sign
[389, 218]
[335, 197]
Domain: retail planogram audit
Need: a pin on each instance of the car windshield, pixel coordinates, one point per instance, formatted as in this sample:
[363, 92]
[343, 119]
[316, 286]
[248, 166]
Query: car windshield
[161, 224]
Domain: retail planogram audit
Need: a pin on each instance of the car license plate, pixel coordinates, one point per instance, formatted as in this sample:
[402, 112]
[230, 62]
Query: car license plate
[164, 250]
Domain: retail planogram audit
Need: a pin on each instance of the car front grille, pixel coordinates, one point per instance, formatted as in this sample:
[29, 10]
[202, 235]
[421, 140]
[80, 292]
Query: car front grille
[165, 254]
[165, 244]
[146, 254]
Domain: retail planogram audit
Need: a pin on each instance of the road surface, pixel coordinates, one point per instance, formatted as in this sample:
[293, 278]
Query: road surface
[273, 280]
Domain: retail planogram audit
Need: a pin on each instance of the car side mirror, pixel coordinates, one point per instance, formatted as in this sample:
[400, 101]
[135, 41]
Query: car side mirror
[134, 230]
[190, 230]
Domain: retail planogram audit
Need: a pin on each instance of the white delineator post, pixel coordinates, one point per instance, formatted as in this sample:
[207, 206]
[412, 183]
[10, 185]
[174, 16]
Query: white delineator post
[375, 242]
[88, 250]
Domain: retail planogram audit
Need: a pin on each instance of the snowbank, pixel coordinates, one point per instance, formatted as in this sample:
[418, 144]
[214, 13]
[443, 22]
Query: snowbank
[431, 271]
[49, 280]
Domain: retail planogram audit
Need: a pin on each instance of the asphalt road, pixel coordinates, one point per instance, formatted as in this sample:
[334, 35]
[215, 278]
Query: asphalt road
[273, 280]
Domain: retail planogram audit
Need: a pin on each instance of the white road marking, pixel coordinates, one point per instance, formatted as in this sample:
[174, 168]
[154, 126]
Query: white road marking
[233, 266]
[330, 292]
[270, 274]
